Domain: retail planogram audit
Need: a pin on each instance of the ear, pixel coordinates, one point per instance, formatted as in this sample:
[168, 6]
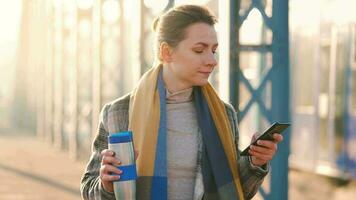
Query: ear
[165, 52]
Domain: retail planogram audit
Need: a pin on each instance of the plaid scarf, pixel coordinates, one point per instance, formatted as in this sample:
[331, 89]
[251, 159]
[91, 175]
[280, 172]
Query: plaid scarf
[147, 120]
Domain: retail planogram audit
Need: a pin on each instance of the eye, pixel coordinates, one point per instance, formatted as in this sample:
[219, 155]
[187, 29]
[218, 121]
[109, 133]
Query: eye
[198, 51]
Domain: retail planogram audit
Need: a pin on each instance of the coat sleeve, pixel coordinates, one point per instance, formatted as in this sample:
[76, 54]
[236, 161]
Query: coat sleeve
[251, 176]
[90, 187]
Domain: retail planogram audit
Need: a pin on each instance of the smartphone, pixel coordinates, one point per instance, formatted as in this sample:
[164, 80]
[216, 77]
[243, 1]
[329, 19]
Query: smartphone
[268, 134]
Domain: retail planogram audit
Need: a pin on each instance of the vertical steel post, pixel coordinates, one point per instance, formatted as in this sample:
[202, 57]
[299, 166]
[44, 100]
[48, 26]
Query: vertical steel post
[73, 136]
[58, 77]
[278, 75]
[234, 52]
[96, 87]
[280, 97]
[49, 81]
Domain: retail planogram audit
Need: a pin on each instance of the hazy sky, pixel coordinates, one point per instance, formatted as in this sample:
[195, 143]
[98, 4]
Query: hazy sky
[10, 13]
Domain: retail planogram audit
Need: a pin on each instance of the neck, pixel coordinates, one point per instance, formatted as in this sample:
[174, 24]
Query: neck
[172, 82]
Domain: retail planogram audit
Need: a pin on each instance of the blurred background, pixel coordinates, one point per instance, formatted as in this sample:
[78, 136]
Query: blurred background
[288, 61]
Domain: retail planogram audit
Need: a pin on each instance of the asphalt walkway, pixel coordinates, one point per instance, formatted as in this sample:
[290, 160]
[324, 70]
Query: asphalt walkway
[34, 170]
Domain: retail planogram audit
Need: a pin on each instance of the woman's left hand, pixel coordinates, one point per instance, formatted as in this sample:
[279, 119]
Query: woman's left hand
[263, 153]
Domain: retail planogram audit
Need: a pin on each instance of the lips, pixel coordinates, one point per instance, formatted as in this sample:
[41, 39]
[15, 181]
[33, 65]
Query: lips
[206, 73]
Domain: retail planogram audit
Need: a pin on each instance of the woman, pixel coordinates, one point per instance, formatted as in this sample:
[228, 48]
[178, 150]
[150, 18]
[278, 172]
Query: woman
[185, 137]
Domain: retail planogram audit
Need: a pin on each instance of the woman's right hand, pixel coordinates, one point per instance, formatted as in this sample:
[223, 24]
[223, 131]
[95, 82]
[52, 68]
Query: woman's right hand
[108, 166]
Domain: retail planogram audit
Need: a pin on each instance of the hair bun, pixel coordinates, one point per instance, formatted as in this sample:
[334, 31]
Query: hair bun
[155, 24]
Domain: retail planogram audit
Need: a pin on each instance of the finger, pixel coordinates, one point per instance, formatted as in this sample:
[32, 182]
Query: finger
[277, 137]
[110, 160]
[267, 144]
[262, 150]
[106, 173]
[260, 156]
[107, 177]
[258, 162]
[107, 152]
[108, 169]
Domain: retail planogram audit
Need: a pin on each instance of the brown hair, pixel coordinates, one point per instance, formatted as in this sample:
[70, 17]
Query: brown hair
[170, 27]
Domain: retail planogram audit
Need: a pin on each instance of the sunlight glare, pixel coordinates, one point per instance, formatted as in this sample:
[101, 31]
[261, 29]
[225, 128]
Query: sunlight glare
[10, 16]
[84, 28]
[84, 4]
[340, 12]
[111, 11]
[196, 2]
[156, 5]
[251, 28]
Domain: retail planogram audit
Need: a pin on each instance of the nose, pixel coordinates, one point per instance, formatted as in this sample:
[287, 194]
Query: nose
[211, 60]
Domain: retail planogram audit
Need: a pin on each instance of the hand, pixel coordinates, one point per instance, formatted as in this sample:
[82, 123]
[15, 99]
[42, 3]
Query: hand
[108, 163]
[263, 153]
[108, 166]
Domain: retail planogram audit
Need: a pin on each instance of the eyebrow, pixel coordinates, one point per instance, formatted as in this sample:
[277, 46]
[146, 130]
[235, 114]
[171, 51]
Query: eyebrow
[205, 44]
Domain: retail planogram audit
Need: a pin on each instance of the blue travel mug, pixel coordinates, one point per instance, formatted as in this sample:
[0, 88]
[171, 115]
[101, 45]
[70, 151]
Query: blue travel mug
[121, 143]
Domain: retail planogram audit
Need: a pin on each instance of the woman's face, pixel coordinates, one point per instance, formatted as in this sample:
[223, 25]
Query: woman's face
[193, 59]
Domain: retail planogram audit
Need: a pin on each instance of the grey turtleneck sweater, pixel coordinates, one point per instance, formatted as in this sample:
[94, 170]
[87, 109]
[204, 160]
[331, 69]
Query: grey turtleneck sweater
[182, 130]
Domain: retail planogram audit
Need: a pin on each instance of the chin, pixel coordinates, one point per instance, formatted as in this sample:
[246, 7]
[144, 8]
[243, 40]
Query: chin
[201, 82]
